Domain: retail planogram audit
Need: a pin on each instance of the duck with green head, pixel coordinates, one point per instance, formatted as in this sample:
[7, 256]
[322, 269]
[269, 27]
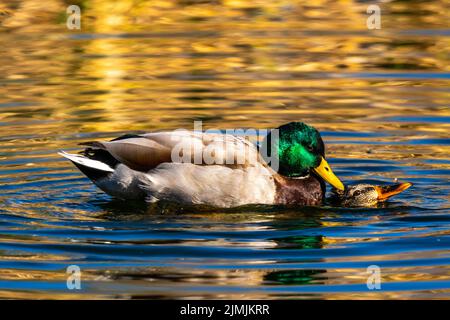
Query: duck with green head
[148, 166]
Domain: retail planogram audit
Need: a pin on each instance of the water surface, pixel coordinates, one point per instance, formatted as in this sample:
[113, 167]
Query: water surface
[380, 99]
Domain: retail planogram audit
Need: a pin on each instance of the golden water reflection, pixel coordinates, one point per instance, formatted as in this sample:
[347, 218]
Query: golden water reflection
[376, 95]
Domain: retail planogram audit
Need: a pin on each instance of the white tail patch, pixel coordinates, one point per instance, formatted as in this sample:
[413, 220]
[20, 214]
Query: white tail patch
[86, 161]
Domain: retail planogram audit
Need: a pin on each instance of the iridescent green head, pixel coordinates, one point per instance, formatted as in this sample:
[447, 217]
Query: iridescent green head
[300, 150]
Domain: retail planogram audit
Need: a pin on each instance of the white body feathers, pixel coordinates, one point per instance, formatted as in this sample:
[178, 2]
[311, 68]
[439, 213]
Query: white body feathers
[220, 185]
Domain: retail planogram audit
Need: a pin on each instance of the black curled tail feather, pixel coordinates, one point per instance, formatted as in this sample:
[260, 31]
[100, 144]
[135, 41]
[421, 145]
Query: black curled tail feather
[100, 155]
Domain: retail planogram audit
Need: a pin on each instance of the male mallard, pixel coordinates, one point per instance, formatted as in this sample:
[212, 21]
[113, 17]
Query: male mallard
[143, 167]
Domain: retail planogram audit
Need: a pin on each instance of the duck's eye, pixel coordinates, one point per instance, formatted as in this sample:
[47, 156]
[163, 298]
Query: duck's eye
[310, 148]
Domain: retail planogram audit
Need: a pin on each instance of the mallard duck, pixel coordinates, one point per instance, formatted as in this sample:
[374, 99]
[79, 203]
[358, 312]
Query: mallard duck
[366, 195]
[142, 166]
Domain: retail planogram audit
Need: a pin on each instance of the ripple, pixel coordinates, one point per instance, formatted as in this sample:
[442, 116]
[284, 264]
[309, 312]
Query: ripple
[379, 99]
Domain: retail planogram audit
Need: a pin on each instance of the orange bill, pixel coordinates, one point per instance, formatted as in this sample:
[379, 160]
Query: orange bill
[385, 192]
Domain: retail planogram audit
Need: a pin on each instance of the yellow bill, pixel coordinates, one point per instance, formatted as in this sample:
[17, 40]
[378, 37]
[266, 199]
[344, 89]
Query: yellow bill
[325, 172]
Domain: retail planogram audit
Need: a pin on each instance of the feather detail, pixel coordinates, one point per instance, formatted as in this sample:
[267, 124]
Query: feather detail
[79, 159]
[215, 185]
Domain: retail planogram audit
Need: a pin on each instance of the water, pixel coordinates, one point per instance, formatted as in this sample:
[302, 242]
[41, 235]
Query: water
[380, 99]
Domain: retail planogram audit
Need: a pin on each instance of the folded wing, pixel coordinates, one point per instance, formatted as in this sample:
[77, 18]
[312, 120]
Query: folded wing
[147, 151]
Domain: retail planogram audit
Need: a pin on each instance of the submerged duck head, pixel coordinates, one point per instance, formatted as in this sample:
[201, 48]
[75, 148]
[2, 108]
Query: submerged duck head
[364, 195]
[300, 151]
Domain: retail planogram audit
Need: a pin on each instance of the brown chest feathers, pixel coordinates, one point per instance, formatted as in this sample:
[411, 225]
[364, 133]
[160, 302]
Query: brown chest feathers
[308, 191]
